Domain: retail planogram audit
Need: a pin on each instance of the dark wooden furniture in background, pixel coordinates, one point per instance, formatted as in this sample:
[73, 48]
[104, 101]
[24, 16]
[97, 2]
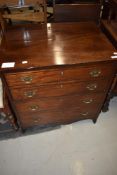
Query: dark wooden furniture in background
[109, 20]
[77, 11]
[109, 27]
[7, 119]
[29, 11]
[61, 72]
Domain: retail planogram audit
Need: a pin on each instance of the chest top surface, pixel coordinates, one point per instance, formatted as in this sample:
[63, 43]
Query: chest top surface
[54, 45]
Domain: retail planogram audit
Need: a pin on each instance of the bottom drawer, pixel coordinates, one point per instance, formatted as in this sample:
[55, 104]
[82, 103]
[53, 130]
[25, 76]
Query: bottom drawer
[55, 117]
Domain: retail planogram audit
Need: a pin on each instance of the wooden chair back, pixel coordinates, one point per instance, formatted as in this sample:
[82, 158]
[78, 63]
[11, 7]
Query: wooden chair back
[75, 12]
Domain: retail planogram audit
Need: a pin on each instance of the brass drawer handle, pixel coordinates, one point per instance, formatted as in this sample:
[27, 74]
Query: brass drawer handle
[95, 73]
[26, 79]
[84, 113]
[34, 107]
[92, 87]
[29, 94]
[88, 101]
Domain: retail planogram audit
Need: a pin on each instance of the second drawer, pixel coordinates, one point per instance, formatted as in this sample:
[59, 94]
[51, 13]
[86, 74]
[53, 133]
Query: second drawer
[63, 89]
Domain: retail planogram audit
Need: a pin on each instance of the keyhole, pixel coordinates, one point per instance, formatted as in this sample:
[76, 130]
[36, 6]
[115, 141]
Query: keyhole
[62, 73]
[61, 86]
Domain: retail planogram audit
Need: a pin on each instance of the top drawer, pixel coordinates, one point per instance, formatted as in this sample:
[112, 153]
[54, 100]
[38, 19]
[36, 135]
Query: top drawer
[57, 75]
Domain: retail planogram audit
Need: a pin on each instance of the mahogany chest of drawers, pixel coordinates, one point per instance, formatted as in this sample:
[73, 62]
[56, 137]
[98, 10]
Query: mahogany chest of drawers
[61, 73]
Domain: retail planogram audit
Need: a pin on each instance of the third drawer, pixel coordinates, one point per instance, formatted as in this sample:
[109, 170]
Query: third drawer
[85, 102]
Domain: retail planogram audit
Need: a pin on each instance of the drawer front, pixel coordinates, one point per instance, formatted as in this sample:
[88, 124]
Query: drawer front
[62, 89]
[54, 117]
[57, 75]
[84, 102]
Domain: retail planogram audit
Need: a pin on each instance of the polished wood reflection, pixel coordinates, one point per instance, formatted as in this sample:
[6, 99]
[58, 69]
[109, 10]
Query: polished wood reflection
[55, 44]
